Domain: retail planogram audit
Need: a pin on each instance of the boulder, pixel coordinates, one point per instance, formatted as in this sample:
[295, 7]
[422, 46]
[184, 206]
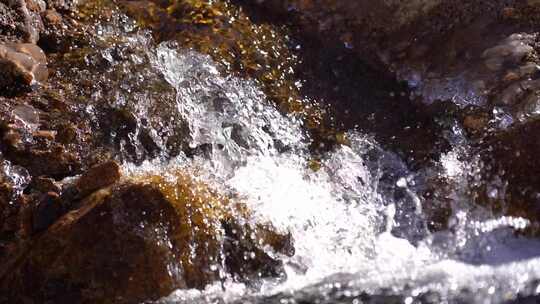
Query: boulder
[113, 249]
[138, 241]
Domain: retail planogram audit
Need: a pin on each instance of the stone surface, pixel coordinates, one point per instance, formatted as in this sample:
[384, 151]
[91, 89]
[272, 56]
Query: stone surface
[97, 177]
[144, 249]
[512, 169]
[126, 260]
[23, 65]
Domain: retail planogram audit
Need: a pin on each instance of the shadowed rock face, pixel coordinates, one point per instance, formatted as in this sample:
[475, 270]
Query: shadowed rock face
[512, 172]
[380, 28]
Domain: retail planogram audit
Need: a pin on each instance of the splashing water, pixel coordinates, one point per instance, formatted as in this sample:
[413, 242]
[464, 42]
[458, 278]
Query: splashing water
[357, 222]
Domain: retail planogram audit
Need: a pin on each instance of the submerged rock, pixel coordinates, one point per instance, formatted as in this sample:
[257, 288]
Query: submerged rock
[98, 177]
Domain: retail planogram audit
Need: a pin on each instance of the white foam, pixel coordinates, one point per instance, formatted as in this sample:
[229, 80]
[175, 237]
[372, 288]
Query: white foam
[342, 216]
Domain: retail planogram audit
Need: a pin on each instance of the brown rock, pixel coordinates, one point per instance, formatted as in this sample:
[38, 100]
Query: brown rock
[475, 123]
[52, 17]
[98, 177]
[256, 263]
[114, 249]
[47, 134]
[42, 184]
[23, 65]
[216, 236]
[54, 161]
[47, 212]
[67, 133]
[37, 6]
[62, 5]
[26, 114]
[132, 243]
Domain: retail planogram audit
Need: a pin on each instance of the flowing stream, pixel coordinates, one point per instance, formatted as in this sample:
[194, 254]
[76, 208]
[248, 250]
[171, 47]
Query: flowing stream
[357, 222]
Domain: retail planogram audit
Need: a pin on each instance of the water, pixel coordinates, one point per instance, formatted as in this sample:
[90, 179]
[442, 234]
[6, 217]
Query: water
[357, 222]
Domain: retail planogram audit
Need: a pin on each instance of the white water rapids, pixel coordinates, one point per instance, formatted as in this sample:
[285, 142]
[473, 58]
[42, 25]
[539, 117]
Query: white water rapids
[357, 223]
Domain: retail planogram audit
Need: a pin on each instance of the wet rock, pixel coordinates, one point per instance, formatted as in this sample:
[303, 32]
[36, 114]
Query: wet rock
[43, 184]
[23, 65]
[146, 246]
[221, 29]
[53, 161]
[126, 260]
[510, 180]
[14, 206]
[475, 122]
[38, 6]
[47, 212]
[510, 51]
[246, 261]
[478, 53]
[98, 177]
[61, 33]
[52, 17]
[22, 21]
[379, 32]
[25, 144]
[63, 5]
[220, 236]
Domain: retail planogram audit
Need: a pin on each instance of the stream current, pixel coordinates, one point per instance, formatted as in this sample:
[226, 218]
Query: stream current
[357, 222]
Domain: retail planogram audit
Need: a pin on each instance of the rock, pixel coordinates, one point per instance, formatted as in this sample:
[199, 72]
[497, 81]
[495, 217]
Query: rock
[510, 179]
[47, 212]
[23, 65]
[129, 244]
[220, 237]
[26, 144]
[53, 161]
[98, 177]
[126, 260]
[38, 6]
[239, 45]
[14, 221]
[20, 20]
[475, 122]
[62, 5]
[42, 184]
[52, 17]
[442, 49]
[27, 115]
[246, 261]
[28, 12]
